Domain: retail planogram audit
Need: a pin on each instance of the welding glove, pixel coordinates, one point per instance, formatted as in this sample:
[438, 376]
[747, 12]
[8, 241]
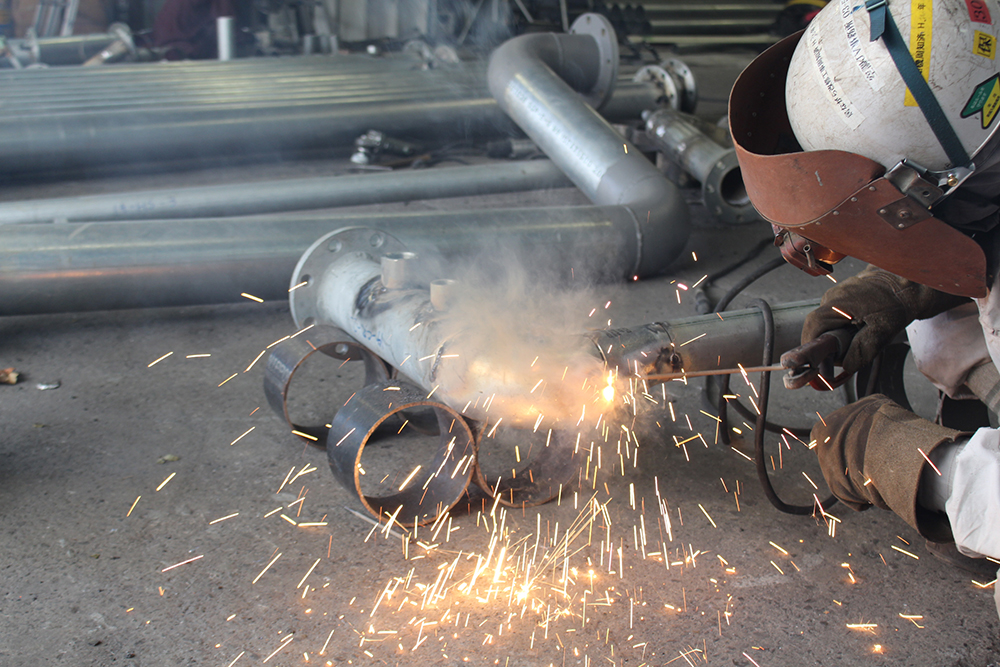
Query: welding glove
[870, 454]
[878, 305]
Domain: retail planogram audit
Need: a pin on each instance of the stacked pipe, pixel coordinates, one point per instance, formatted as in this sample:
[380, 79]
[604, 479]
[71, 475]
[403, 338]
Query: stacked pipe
[71, 118]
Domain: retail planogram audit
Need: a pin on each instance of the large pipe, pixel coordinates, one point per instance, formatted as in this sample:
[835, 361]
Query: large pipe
[48, 268]
[535, 77]
[291, 194]
[51, 120]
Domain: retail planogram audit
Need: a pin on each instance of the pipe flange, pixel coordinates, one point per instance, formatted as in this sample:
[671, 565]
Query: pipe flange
[304, 293]
[549, 466]
[288, 356]
[600, 28]
[688, 86]
[724, 193]
[674, 80]
[423, 494]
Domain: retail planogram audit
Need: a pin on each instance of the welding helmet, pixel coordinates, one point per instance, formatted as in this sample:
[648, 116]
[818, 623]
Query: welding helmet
[849, 132]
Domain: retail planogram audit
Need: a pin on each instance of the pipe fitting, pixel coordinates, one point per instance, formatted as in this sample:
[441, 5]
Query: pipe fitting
[535, 79]
[716, 167]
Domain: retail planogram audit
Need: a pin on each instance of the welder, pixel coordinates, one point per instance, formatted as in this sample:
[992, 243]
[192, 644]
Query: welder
[872, 134]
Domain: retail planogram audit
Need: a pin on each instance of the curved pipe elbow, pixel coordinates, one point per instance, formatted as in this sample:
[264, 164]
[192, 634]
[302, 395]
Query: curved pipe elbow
[535, 80]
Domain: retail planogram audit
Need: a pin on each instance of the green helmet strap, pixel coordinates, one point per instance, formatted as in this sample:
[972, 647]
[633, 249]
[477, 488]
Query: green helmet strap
[884, 27]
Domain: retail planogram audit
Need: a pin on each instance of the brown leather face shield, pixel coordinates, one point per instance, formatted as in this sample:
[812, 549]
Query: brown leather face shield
[827, 204]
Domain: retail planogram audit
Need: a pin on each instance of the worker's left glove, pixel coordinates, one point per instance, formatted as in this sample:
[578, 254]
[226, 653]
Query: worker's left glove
[870, 454]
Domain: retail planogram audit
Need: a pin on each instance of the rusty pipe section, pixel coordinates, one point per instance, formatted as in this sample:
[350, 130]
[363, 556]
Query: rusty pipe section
[536, 79]
[700, 343]
[364, 282]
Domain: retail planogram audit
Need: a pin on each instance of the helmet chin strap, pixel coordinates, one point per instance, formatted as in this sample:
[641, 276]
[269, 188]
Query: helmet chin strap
[884, 27]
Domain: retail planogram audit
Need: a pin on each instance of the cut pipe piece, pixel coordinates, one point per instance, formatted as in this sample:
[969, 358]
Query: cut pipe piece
[535, 79]
[716, 167]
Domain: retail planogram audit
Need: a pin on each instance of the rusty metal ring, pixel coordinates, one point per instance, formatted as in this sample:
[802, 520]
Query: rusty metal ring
[545, 473]
[438, 484]
[288, 356]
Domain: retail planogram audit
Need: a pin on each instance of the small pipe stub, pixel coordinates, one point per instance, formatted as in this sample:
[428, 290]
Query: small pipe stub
[443, 293]
[398, 270]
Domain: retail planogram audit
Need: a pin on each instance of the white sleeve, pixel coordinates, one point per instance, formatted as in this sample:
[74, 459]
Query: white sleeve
[973, 505]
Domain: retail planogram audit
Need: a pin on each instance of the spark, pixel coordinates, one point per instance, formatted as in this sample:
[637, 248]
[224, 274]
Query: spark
[151, 364]
[862, 626]
[301, 434]
[410, 477]
[183, 562]
[841, 312]
[303, 330]
[693, 339]
[235, 659]
[252, 297]
[284, 642]
[133, 506]
[904, 551]
[266, 568]
[223, 518]
[778, 548]
[247, 432]
[256, 359]
[164, 482]
[228, 379]
[703, 511]
[197, 356]
[307, 575]
[929, 461]
[295, 287]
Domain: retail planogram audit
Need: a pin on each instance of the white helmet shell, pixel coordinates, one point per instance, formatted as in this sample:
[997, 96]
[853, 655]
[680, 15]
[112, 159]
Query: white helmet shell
[843, 92]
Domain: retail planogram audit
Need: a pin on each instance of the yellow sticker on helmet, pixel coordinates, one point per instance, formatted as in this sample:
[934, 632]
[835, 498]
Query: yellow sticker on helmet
[921, 24]
[985, 45]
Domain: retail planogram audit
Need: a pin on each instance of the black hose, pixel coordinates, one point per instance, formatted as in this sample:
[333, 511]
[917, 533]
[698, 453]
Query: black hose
[758, 444]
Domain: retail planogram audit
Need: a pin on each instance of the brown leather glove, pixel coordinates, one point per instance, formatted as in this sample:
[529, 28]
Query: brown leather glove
[868, 452]
[880, 305]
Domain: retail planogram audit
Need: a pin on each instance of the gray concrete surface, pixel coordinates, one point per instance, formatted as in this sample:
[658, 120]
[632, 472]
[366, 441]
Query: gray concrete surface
[146, 518]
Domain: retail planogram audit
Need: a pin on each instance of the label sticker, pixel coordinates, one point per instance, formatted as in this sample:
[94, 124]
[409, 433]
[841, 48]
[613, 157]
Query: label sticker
[978, 12]
[921, 24]
[986, 99]
[985, 45]
[851, 116]
[855, 43]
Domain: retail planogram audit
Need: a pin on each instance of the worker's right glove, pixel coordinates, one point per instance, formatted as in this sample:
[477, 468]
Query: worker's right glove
[868, 310]
[870, 454]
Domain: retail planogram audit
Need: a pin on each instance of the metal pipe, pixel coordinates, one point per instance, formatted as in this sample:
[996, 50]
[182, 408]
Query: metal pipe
[291, 194]
[50, 268]
[684, 144]
[225, 32]
[52, 137]
[72, 50]
[344, 284]
[534, 76]
[701, 343]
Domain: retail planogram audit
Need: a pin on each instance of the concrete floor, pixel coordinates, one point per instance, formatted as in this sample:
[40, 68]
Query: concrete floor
[145, 523]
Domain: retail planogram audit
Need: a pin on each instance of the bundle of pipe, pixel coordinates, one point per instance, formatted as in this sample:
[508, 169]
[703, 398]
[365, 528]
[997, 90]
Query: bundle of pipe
[72, 118]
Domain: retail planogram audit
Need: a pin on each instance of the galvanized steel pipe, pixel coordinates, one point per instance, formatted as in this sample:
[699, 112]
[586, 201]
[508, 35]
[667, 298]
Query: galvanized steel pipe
[534, 78]
[291, 194]
[66, 267]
